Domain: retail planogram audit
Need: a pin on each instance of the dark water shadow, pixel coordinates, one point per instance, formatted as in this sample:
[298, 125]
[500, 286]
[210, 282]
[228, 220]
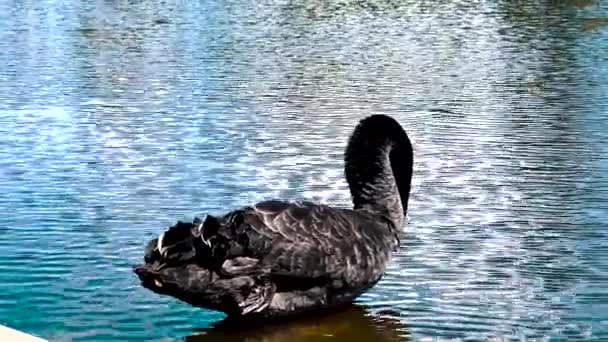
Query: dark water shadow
[353, 323]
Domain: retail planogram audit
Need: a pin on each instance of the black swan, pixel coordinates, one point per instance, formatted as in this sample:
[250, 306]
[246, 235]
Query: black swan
[275, 259]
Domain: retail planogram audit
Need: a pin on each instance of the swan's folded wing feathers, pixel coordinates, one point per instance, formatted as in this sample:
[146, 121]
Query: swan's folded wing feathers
[309, 241]
[301, 221]
[300, 242]
[304, 261]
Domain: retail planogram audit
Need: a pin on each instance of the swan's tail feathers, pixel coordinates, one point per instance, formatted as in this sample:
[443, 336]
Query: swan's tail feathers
[187, 242]
[175, 246]
[203, 264]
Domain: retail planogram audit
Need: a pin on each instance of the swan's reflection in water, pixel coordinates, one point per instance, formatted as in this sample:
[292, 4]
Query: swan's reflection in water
[350, 324]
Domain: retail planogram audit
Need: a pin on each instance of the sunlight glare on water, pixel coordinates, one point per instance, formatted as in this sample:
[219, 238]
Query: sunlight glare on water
[117, 118]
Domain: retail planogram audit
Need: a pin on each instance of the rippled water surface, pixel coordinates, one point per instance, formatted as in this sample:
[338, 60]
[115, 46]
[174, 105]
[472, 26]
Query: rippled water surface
[118, 118]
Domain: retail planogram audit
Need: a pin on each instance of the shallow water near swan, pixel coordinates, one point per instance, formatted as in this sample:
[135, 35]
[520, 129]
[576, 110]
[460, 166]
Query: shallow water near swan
[118, 118]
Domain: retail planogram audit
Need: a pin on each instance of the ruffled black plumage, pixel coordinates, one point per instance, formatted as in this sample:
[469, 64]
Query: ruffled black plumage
[279, 258]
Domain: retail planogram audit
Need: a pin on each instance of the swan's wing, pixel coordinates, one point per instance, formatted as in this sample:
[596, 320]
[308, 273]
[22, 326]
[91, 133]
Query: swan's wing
[304, 242]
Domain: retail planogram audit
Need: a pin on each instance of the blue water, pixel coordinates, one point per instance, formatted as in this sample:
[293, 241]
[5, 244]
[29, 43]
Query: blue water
[117, 118]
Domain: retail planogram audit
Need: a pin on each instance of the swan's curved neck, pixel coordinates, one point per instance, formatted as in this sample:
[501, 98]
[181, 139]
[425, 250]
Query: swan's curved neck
[378, 165]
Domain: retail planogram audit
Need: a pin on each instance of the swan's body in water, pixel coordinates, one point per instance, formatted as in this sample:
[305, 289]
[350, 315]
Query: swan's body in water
[280, 258]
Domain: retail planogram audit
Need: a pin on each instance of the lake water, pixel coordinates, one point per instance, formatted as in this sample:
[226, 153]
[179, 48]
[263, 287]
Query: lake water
[118, 118]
